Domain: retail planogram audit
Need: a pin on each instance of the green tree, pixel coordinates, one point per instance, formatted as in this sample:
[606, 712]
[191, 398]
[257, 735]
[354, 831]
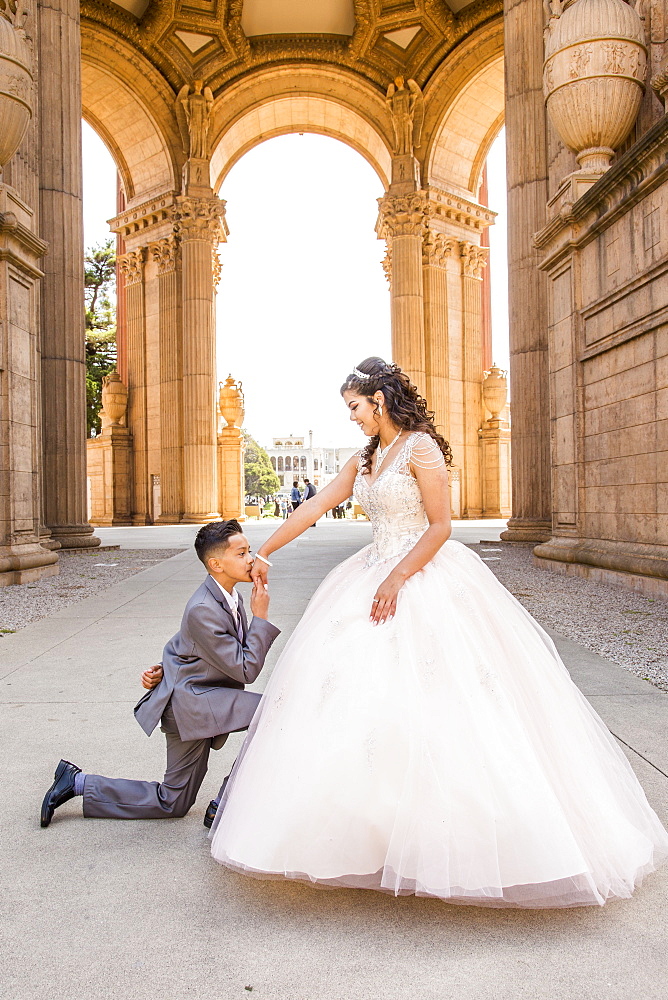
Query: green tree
[260, 477]
[99, 291]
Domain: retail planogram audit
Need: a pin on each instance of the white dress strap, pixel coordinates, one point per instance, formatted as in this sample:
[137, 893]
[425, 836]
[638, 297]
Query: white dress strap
[424, 452]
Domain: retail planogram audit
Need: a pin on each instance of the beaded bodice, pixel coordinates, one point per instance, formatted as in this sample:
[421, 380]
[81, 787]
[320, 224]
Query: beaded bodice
[393, 501]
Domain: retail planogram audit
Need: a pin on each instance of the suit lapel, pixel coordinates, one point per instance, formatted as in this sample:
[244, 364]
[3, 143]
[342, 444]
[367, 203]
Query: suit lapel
[214, 590]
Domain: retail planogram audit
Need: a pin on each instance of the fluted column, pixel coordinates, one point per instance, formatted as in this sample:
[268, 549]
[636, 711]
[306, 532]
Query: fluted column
[62, 298]
[436, 251]
[473, 259]
[200, 227]
[400, 223]
[166, 255]
[132, 267]
[527, 198]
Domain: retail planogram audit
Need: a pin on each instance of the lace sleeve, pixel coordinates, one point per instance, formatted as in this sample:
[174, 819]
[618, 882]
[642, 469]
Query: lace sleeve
[425, 453]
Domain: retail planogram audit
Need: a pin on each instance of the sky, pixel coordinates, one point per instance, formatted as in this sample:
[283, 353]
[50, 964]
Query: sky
[302, 297]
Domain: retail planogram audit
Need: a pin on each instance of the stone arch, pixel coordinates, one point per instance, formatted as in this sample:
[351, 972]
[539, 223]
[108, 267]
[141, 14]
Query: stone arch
[275, 102]
[465, 112]
[130, 107]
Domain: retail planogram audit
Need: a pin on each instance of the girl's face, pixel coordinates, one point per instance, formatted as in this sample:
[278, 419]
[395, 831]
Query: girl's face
[362, 412]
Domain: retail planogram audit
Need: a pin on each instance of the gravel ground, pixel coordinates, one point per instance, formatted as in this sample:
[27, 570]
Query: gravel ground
[80, 576]
[616, 623]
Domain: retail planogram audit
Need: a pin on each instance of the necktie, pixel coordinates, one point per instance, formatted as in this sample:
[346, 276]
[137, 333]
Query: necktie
[240, 628]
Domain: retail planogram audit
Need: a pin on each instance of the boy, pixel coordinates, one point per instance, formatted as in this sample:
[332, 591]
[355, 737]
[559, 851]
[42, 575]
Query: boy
[197, 693]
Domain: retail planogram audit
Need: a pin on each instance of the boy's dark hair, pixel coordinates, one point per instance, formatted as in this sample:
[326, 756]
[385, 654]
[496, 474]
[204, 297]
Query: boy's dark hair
[307, 480]
[215, 535]
[296, 482]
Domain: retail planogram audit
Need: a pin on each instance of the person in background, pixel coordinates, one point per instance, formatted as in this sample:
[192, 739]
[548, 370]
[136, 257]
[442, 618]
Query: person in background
[295, 496]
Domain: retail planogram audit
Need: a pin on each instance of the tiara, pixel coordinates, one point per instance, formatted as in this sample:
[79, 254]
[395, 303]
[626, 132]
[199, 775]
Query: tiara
[358, 374]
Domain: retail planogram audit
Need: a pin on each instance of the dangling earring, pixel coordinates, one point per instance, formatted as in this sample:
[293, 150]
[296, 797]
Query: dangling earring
[380, 409]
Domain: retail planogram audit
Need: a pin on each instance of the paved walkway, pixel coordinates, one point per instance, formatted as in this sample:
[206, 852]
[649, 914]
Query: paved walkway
[95, 910]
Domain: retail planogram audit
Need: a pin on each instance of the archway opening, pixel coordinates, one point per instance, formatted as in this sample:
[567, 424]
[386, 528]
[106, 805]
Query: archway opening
[302, 297]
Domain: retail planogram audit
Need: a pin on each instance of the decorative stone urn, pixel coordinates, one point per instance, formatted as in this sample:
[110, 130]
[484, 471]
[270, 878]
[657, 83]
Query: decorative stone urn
[16, 82]
[593, 77]
[231, 402]
[114, 400]
[495, 390]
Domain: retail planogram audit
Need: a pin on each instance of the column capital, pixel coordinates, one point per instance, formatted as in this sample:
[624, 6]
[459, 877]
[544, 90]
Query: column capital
[474, 259]
[165, 253]
[401, 215]
[132, 265]
[200, 219]
[437, 248]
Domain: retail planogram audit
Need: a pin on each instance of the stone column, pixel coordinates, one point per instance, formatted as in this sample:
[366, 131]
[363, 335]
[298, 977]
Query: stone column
[166, 255]
[473, 259]
[132, 267]
[199, 224]
[527, 199]
[62, 301]
[436, 251]
[400, 223]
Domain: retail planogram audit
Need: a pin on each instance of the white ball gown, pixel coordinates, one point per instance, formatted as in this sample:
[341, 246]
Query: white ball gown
[446, 753]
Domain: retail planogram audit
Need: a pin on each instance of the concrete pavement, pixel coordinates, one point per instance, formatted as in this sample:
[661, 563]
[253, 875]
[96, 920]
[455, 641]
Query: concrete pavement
[103, 909]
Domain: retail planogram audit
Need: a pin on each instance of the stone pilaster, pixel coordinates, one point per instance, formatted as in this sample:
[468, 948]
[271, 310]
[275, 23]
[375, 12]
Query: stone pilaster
[22, 558]
[527, 199]
[132, 266]
[473, 258]
[199, 225]
[62, 303]
[437, 252]
[400, 223]
[165, 254]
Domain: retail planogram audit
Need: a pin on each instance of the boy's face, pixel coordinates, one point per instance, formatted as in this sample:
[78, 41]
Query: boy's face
[235, 562]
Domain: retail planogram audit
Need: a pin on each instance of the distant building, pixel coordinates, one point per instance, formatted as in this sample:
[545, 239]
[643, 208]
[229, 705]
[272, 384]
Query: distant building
[293, 457]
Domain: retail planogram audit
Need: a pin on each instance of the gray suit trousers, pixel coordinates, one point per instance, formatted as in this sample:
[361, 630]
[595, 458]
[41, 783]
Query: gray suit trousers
[122, 798]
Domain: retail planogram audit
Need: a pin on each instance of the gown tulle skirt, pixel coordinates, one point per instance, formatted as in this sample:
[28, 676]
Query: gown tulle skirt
[446, 753]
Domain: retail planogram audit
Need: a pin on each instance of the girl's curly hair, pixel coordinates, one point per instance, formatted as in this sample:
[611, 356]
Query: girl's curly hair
[405, 406]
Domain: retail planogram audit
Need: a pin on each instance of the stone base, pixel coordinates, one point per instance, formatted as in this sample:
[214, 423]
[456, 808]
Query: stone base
[647, 585]
[168, 519]
[75, 536]
[525, 530]
[26, 563]
[199, 518]
[618, 557]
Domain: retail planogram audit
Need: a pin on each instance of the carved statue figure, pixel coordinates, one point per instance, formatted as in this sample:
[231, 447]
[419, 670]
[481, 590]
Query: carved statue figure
[193, 111]
[406, 104]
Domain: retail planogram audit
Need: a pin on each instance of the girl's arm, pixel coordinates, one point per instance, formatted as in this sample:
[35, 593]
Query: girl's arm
[306, 514]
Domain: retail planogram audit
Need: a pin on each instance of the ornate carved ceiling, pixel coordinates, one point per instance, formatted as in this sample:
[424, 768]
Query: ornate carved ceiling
[222, 40]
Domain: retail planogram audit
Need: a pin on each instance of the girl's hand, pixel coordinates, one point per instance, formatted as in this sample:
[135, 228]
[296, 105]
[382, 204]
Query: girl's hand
[384, 604]
[260, 573]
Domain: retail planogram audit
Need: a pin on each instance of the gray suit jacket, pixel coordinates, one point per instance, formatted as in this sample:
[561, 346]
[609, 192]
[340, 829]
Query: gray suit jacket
[205, 667]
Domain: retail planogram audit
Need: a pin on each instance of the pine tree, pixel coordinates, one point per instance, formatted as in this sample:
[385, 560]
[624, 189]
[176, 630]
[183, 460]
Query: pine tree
[99, 290]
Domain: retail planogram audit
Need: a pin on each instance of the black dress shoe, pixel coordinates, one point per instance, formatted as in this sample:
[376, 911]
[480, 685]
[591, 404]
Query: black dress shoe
[210, 814]
[61, 790]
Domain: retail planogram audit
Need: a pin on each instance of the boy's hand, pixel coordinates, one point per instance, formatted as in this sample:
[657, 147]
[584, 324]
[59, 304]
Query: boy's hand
[151, 677]
[260, 599]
